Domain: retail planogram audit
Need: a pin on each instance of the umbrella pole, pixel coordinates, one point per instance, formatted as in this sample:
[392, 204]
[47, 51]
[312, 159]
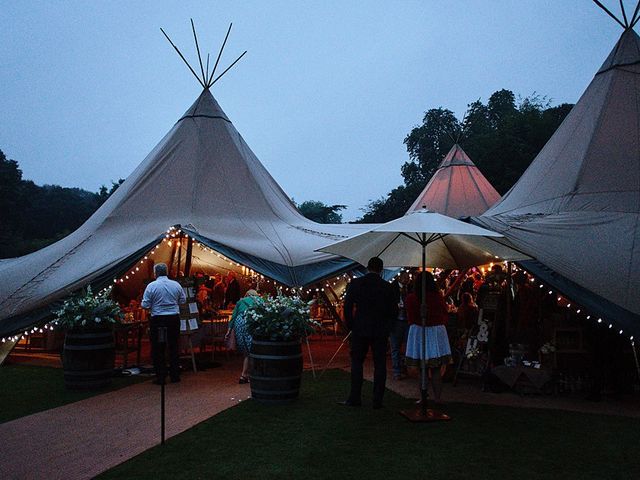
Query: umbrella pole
[424, 415]
[423, 354]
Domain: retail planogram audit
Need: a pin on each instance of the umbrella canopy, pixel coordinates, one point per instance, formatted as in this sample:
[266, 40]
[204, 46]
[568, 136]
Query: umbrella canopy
[449, 243]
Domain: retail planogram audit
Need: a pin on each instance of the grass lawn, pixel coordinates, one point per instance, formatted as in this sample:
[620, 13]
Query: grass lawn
[317, 439]
[26, 389]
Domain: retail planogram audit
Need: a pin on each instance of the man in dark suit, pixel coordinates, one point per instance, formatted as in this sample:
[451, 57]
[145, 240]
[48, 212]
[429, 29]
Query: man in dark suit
[370, 308]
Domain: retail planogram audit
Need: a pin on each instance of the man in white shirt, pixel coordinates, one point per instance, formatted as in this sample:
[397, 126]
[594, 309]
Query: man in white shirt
[164, 297]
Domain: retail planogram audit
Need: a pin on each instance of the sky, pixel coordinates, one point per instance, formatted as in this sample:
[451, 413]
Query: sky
[324, 97]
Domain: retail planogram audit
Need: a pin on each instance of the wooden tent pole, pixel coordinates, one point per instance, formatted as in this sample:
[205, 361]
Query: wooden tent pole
[179, 255]
[219, 55]
[624, 14]
[183, 59]
[172, 259]
[187, 262]
[598, 3]
[634, 18]
[195, 37]
[229, 67]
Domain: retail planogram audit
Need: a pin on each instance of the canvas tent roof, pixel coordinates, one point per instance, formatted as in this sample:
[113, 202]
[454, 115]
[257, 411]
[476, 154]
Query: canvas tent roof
[457, 189]
[576, 208]
[203, 176]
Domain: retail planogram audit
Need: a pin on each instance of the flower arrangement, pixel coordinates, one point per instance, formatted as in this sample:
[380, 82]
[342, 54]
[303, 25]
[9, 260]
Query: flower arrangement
[547, 348]
[280, 318]
[87, 310]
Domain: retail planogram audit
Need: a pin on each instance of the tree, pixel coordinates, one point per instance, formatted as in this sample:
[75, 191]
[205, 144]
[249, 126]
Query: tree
[12, 199]
[502, 137]
[321, 213]
[34, 216]
[104, 193]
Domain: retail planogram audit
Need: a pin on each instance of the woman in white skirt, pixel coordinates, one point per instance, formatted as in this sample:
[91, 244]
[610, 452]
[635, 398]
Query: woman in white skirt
[438, 351]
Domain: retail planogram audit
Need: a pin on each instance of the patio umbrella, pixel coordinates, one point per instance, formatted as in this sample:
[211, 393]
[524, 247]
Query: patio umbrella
[426, 239]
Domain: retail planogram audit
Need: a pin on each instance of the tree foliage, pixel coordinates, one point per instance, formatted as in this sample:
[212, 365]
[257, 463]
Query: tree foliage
[34, 216]
[502, 137]
[321, 213]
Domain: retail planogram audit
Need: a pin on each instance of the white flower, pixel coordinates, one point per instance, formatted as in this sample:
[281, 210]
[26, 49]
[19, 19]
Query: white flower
[97, 320]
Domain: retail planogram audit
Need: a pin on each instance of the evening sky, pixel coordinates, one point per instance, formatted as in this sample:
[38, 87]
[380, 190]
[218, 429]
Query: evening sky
[324, 97]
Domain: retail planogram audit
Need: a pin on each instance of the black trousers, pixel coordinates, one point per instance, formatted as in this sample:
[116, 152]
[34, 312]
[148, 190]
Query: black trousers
[359, 348]
[172, 324]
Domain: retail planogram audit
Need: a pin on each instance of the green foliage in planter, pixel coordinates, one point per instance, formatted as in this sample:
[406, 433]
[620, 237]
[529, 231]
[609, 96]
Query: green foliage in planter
[279, 318]
[88, 311]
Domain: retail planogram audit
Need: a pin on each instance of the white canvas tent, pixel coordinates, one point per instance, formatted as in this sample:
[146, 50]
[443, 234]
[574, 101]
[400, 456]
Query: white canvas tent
[457, 189]
[576, 209]
[202, 176]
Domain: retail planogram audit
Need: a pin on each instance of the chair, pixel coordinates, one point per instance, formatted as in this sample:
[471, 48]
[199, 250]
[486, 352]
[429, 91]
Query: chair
[218, 325]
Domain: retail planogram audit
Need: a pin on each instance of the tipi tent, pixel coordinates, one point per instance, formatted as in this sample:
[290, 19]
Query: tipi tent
[457, 188]
[576, 209]
[202, 176]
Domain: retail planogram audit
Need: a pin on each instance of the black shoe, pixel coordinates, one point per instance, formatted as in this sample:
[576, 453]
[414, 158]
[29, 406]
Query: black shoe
[350, 403]
[175, 379]
[243, 380]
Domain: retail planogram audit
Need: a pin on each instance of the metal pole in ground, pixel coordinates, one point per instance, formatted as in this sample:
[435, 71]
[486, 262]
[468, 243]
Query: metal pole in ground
[162, 342]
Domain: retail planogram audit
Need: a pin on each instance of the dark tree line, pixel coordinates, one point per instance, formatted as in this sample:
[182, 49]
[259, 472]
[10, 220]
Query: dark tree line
[502, 137]
[34, 216]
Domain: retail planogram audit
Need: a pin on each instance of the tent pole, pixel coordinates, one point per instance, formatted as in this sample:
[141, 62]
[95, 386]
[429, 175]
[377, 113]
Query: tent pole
[187, 262]
[172, 260]
[598, 3]
[624, 14]
[509, 319]
[634, 18]
[635, 357]
[179, 255]
[229, 67]
[195, 37]
[213, 72]
[183, 59]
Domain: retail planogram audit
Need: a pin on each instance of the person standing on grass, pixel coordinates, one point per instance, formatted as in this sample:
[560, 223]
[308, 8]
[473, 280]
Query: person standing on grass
[370, 308]
[164, 297]
[399, 329]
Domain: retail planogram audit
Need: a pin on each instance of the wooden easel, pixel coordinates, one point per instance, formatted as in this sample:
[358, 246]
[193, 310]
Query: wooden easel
[186, 315]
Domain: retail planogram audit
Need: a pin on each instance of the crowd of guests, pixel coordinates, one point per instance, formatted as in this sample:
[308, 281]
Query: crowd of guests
[217, 292]
[412, 339]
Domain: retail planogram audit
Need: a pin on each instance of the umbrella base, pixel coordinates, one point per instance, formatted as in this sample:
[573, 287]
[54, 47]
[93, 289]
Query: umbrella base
[416, 415]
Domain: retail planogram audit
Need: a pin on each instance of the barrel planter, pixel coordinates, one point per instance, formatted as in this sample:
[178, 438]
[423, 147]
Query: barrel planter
[275, 370]
[88, 358]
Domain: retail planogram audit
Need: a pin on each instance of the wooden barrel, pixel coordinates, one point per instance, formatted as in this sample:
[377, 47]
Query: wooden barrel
[275, 371]
[88, 359]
